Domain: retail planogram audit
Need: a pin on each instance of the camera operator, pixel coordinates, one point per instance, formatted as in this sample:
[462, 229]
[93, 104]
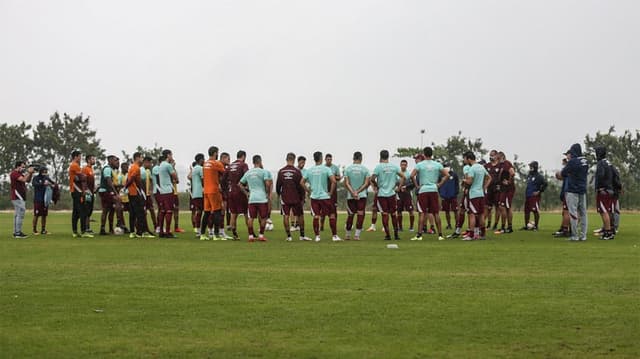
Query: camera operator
[42, 198]
[19, 178]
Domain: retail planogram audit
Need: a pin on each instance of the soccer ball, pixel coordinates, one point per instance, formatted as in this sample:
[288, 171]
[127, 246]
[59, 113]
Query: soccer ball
[269, 226]
[531, 225]
[118, 231]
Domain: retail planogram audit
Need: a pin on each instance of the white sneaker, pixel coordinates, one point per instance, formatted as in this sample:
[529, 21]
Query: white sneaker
[336, 238]
[372, 228]
[289, 239]
[317, 238]
[305, 238]
[411, 230]
[157, 229]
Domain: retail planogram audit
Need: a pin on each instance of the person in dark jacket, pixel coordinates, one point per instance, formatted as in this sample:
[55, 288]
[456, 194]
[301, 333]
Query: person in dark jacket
[536, 184]
[42, 198]
[604, 192]
[449, 194]
[576, 196]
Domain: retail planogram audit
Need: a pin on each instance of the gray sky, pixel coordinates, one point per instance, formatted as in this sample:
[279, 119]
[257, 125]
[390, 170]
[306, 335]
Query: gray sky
[529, 77]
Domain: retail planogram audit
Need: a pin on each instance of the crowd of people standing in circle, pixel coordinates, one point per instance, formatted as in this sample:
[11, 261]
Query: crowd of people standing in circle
[221, 190]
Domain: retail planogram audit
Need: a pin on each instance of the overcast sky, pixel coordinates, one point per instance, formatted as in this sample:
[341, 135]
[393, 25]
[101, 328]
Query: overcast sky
[528, 77]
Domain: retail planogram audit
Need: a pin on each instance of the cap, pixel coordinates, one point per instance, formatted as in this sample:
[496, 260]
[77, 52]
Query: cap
[419, 156]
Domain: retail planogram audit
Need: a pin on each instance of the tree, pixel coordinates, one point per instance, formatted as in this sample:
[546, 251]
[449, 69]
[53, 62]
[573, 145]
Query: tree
[15, 144]
[451, 152]
[56, 139]
[153, 152]
[623, 152]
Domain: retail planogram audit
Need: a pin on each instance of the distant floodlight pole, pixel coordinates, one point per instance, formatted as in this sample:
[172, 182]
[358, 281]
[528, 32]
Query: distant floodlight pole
[422, 131]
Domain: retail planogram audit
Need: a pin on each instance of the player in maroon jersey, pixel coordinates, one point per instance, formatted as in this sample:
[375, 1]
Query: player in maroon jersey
[507, 190]
[291, 193]
[492, 196]
[237, 201]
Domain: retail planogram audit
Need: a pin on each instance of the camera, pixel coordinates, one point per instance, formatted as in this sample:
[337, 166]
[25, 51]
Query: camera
[35, 166]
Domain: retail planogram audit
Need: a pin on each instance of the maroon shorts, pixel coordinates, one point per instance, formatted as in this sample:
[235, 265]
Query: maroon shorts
[450, 204]
[476, 205]
[40, 210]
[258, 210]
[605, 203]
[428, 202]
[107, 200]
[196, 204]
[166, 201]
[238, 203]
[387, 204]
[356, 205]
[492, 197]
[405, 202]
[291, 209]
[506, 198]
[321, 207]
[334, 201]
[532, 204]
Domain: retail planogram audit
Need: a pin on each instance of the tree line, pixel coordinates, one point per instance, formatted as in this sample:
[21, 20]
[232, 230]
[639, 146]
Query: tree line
[50, 143]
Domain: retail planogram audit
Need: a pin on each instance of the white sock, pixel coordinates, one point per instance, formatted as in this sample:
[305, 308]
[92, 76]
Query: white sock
[358, 231]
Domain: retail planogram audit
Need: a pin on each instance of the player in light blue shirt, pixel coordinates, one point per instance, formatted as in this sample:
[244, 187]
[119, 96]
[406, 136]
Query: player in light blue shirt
[478, 179]
[385, 177]
[328, 161]
[356, 180]
[319, 178]
[429, 176]
[259, 182]
[197, 194]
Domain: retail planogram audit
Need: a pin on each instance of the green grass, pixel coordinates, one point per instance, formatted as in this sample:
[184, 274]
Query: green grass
[519, 295]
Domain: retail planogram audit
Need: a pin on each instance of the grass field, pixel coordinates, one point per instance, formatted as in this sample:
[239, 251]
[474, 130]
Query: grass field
[519, 295]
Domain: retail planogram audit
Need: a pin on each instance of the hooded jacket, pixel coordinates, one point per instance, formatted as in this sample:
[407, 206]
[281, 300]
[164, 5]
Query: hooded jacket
[535, 181]
[604, 171]
[576, 171]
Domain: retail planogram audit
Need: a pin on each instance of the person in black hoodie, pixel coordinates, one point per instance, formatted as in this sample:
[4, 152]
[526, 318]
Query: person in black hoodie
[576, 196]
[604, 192]
[536, 184]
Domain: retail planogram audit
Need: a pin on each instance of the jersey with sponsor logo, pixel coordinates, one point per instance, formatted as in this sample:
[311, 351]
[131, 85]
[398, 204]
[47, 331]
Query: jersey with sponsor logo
[233, 174]
[135, 176]
[288, 185]
[318, 179]
[87, 171]
[387, 178]
[255, 179]
[163, 178]
[211, 172]
[477, 172]
[357, 175]
[197, 189]
[428, 174]
[74, 171]
[505, 168]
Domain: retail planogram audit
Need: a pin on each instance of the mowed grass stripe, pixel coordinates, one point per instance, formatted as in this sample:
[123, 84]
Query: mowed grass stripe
[523, 295]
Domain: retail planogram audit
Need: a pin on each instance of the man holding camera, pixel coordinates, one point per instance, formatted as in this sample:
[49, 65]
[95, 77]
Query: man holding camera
[19, 178]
